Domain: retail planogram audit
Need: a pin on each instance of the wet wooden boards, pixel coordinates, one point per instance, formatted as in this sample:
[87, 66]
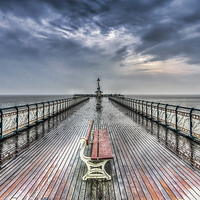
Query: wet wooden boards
[142, 168]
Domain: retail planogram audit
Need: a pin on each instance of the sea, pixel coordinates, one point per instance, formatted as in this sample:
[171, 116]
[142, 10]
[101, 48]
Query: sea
[191, 101]
[7, 101]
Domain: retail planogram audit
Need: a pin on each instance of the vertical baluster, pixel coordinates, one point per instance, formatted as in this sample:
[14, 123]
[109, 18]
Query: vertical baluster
[191, 122]
[56, 106]
[53, 107]
[1, 123]
[67, 103]
[36, 112]
[151, 110]
[176, 117]
[139, 106]
[142, 108]
[158, 112]
[166, 114]
[63, 104]
[43, 109]
[146, 108]
[17, 118]
[28, 115]
[49, 107]
[136, 105]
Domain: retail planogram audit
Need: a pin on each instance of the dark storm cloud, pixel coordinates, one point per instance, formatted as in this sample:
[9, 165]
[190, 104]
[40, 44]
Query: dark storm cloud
[60, 35]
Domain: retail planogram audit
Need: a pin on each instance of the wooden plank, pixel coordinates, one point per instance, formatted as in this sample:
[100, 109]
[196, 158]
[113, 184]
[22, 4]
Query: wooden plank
[151, 161]
[169, 192]
[89, 132]
[146, 170]
[139, 183]
[175, 182]
[105, 151]
[95, 146]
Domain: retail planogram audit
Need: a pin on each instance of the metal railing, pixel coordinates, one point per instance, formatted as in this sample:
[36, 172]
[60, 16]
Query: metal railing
[14, 118]
[184, 119]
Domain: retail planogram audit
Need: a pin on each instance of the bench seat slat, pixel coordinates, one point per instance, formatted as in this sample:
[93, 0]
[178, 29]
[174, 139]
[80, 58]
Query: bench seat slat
[95, 146]
[89, 132]
[105, 150]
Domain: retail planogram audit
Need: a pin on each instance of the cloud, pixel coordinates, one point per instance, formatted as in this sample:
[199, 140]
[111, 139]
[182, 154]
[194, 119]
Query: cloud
[79, 40]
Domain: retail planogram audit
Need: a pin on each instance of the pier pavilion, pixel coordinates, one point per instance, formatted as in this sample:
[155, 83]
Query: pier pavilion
[150, 161]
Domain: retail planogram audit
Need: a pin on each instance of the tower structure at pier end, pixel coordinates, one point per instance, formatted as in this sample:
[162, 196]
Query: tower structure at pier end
[98, 95]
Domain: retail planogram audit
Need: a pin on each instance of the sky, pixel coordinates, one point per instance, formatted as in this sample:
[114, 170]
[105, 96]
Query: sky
[134, 47]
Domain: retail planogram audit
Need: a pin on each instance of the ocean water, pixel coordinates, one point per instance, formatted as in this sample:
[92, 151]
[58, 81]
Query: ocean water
[191, 101]
[18, 100]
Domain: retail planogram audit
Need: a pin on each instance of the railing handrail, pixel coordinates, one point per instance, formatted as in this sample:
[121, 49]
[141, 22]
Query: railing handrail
[174, 116]
[32, 104]
[17, 117]
[159, 103]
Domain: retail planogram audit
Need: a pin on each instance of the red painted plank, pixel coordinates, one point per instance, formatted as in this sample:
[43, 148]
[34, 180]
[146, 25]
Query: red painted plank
[167, 189]
[105, 151]
[95, 146]
[89, 132]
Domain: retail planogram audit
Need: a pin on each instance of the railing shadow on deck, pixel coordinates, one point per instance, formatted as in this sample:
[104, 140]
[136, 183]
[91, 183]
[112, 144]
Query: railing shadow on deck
[184, 147]
[12, 146]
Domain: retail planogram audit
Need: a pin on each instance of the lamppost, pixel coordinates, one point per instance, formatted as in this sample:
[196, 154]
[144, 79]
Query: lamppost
[98, 95]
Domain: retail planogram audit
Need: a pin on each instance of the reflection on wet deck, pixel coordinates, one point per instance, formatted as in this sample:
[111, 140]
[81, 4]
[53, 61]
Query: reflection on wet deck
[14, 145]
[150, 162]
[182, 146]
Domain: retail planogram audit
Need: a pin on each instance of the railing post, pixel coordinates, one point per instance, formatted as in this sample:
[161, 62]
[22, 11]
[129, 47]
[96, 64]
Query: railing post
[17, 119]
[67, 103]
[59, 106]
[146, 108]
[191, 122]
[28, 115]
[132, 104]
[176, 125]
[63, 105]
[1, 124]
[43, 109]
[49, 107]
[136, 106]
[151, 109]
[166, 114]
[158, 112]
[56, 106]
[36, 112]
[142, 107]
[53, 107]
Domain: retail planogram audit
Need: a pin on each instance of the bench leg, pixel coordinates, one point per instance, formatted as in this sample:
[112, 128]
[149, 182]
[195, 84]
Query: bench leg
[96, 169]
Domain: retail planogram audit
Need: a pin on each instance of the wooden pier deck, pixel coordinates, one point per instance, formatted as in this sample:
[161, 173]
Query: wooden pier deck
[141, 169]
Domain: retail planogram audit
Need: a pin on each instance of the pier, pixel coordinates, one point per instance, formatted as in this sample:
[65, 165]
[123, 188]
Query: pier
[150, 161]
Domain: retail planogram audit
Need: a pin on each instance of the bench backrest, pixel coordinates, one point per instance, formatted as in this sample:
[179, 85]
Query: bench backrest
[89, 132]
